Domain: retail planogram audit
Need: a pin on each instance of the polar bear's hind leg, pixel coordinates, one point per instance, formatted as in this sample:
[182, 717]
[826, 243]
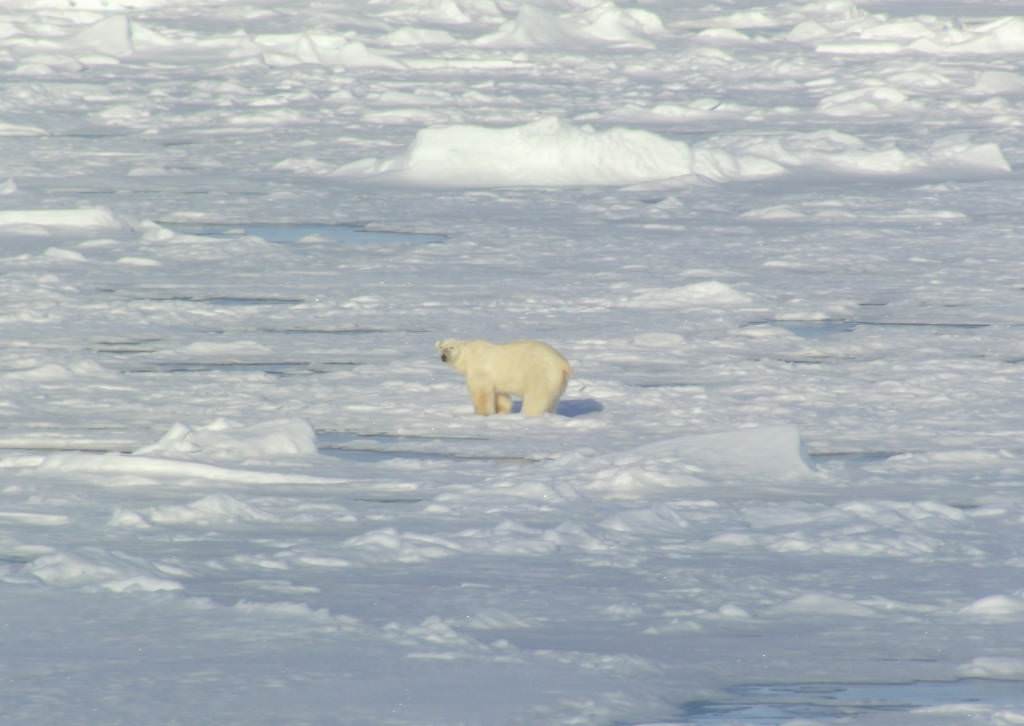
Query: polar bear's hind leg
[539, 400]
[503, 403]
[565, 373]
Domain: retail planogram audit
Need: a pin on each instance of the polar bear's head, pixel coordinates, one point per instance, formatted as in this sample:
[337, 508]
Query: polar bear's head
[450, 350]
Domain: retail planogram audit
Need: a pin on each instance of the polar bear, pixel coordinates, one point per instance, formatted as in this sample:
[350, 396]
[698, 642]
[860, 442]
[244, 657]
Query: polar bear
[495, 372]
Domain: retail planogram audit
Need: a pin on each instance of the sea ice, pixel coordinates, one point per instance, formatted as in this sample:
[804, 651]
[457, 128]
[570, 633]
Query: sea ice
[548, 152]
[780, 244]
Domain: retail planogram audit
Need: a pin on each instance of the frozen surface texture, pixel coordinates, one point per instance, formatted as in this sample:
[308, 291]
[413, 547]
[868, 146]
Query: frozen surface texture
[780, 244]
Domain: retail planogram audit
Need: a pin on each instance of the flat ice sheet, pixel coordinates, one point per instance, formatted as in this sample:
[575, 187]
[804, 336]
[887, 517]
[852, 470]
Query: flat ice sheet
[780, 245]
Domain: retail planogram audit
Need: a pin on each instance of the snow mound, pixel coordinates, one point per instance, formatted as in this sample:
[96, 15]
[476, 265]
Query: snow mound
[1001, 667]
[32, 369]
[756, 454]
[841, 27]
[822, 605]
[88, 218]
[699, 294]
[995, 607]
[219, 349]
[548, 152]
[93, 569]
[99, 5]
[602, 24]
[998, 82]
[444, 12]
[835, 152]
[389, 545]
[881, 34]
[748, 457]
[224, 439]
[111, 36]
[288, 49]
[216, 509]
[112, 469]
[553, 152]
[9, 129]
[879, 101]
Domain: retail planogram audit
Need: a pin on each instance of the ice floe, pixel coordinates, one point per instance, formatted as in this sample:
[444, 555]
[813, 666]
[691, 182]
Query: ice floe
[780, 244]
[85, 218]
[548, 152]
[553, 152]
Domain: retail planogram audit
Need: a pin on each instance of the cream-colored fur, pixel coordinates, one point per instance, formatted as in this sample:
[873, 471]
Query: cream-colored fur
[494, 372]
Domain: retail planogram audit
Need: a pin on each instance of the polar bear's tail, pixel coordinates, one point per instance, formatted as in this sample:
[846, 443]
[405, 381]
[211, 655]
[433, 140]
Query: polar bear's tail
[566, 375]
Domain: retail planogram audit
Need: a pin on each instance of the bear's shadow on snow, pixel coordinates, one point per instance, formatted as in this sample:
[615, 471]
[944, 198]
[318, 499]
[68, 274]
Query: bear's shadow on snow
[578, 407]
[570, 409]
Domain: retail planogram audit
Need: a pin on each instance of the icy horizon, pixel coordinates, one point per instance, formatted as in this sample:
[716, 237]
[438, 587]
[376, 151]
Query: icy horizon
[779, 244]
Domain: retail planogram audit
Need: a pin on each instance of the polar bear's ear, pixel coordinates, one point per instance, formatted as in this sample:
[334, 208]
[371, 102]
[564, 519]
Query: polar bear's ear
[439, 344]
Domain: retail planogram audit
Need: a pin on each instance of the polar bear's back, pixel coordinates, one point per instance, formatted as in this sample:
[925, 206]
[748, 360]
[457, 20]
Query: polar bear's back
[537, 349]
[514, 366]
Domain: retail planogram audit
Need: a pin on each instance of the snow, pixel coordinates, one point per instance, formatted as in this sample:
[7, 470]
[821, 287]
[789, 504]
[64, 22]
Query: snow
[548, 152]
[551, 152]
[232, 440]
[779, 243]
[711, 293]
[591, 23]
[98, 218]
[1006, 668]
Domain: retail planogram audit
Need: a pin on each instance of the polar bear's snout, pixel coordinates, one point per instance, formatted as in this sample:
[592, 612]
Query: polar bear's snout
[445, 346]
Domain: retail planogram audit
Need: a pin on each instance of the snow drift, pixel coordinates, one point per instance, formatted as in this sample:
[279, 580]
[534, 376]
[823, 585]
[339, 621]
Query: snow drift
[86, 218]
[223, 439]
[862, 297]
[553, 152]
[549, 152]
[755, 454]
[603, 23]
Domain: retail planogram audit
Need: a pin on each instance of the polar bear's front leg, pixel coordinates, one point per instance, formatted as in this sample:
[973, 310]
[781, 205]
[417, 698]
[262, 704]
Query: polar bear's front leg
[484, 402]
[503, 403]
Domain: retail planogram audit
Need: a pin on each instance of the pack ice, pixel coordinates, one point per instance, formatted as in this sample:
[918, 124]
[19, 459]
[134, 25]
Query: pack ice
[779, 243]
